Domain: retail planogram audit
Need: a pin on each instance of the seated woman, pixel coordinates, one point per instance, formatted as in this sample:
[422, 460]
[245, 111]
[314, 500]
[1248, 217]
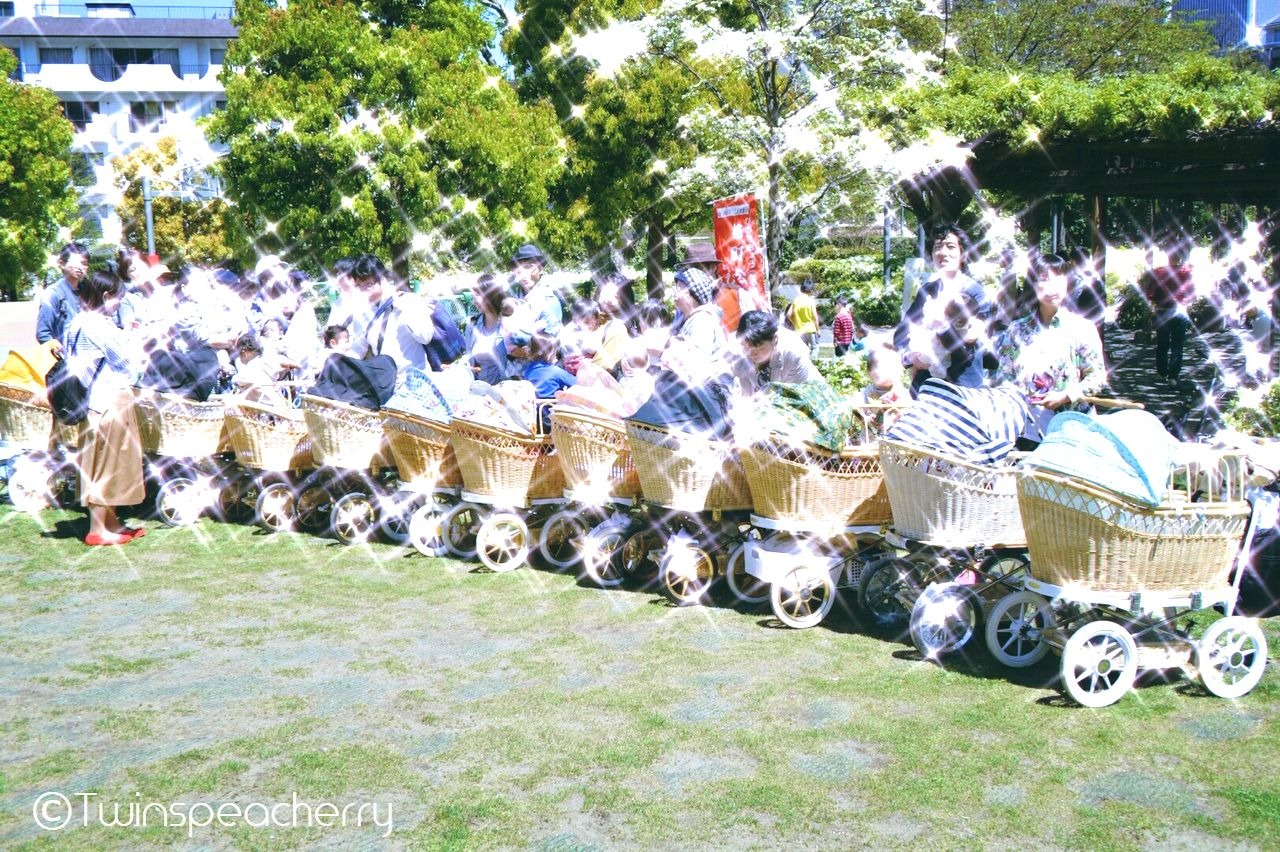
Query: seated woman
[1051, 356]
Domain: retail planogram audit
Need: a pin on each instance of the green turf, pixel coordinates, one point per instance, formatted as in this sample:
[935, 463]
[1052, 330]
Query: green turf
[220, 664]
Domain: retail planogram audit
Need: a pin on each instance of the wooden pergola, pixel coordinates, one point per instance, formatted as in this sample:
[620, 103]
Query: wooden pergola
[1237, 168]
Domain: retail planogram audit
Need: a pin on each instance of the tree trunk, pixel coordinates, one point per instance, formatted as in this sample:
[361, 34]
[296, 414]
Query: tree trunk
[656, 240]
[776, 228]
[400, 263]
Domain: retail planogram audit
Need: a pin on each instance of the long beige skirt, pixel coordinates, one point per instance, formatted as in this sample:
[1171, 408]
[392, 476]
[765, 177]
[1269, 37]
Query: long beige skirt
[111, 456]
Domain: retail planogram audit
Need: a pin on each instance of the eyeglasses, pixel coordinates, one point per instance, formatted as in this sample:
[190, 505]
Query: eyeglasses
[365, 283]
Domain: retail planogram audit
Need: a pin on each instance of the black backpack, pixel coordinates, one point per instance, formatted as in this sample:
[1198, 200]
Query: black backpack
[69, 394]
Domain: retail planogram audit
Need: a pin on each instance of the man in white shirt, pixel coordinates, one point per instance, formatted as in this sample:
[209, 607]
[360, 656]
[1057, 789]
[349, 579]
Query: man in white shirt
[398, 324]
[770, 354]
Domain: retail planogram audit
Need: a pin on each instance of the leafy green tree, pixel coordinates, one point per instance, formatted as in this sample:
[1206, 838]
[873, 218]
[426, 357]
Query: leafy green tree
[36, 193]
[379, 126]
[187, 230]
[1088, 39]
[792, 82]
[621, 113]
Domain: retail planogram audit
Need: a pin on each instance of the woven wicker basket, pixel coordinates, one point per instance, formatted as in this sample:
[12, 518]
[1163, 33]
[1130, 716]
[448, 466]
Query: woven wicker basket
[25, 417]
[267, 438]
[946, 500]
[812, 486]
[508, 468]
[594, 452]
[687, 472]
[1081, 535]
[173, 426]
[421, 450]
[342, 435]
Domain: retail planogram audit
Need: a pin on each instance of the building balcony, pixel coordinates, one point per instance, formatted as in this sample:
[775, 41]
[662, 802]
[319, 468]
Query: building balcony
[224, 11]
[102, 79]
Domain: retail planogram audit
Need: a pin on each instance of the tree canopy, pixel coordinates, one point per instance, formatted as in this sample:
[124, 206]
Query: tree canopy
[35, 173]
[1089, 39]
[379, 126]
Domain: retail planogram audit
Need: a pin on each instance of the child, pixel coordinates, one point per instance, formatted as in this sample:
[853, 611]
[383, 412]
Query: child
[541, 372]
[885, 369]
[582, 337]
[962, 354]
[654, 327]
[845, 328]
[337, 339]
[254, 374]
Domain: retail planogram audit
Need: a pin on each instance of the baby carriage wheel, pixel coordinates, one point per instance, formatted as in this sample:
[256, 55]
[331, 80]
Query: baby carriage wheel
[1099, 664]
[353, 518]
[803, 597]
[1231, 657]
[275, 507]
[880, 587]
[503, 542]
[745, 587]
[315, 509]
[393, 520]
[1015, 629]
[237, 501]
[944, 619]
[31, 487]
[561, 539]
[180, 501]
[460, 526]
[602, 554]
[426, 530]
[686, 572]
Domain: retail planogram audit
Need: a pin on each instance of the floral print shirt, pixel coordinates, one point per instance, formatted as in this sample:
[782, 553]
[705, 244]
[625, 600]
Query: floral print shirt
[1065, 354]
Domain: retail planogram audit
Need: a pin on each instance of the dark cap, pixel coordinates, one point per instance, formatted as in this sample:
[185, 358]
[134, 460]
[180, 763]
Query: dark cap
[528, 251]
[699, 253]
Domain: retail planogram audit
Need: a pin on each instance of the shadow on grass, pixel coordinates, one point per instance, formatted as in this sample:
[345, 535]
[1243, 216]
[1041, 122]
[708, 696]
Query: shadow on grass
[77, 529]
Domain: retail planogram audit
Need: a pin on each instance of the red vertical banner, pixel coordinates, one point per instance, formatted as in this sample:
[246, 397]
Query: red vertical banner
[740, 250]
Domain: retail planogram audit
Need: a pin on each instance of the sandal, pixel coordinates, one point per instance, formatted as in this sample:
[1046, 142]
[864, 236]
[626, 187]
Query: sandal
[95, 540]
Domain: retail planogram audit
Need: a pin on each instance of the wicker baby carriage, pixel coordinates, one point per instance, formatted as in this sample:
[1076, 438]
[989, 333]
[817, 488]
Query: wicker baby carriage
[506, 468]
[268, 438]
[343, 436]
[594, 453]
[26, 420]
[808, 486]
[941, 499]
[177, 427]
[1086, 536]
[688, 472]
[421, 449]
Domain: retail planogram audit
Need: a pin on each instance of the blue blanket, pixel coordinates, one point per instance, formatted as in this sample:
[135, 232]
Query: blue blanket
[1128, 453]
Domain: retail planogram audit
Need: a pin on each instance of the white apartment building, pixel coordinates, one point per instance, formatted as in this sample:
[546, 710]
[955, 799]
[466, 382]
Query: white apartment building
[125, 73]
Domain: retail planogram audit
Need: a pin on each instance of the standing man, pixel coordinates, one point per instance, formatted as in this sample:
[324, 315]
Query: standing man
[397, 325]
[61, 302]
[1170, 290]
[543, 305]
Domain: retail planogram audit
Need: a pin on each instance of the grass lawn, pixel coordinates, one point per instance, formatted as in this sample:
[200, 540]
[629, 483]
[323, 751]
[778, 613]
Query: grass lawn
[221, 664]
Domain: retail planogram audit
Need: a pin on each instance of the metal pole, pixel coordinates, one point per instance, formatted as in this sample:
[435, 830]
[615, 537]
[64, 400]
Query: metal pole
[146, 206]
[886, 245]
[1053, 243]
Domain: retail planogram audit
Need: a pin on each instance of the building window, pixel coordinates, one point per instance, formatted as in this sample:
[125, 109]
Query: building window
[147, 116]
[6, 10]
[55, 56]
[79, 113]
[217, 56]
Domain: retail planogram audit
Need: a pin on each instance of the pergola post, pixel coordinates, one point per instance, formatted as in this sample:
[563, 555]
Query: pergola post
[1098, 233]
